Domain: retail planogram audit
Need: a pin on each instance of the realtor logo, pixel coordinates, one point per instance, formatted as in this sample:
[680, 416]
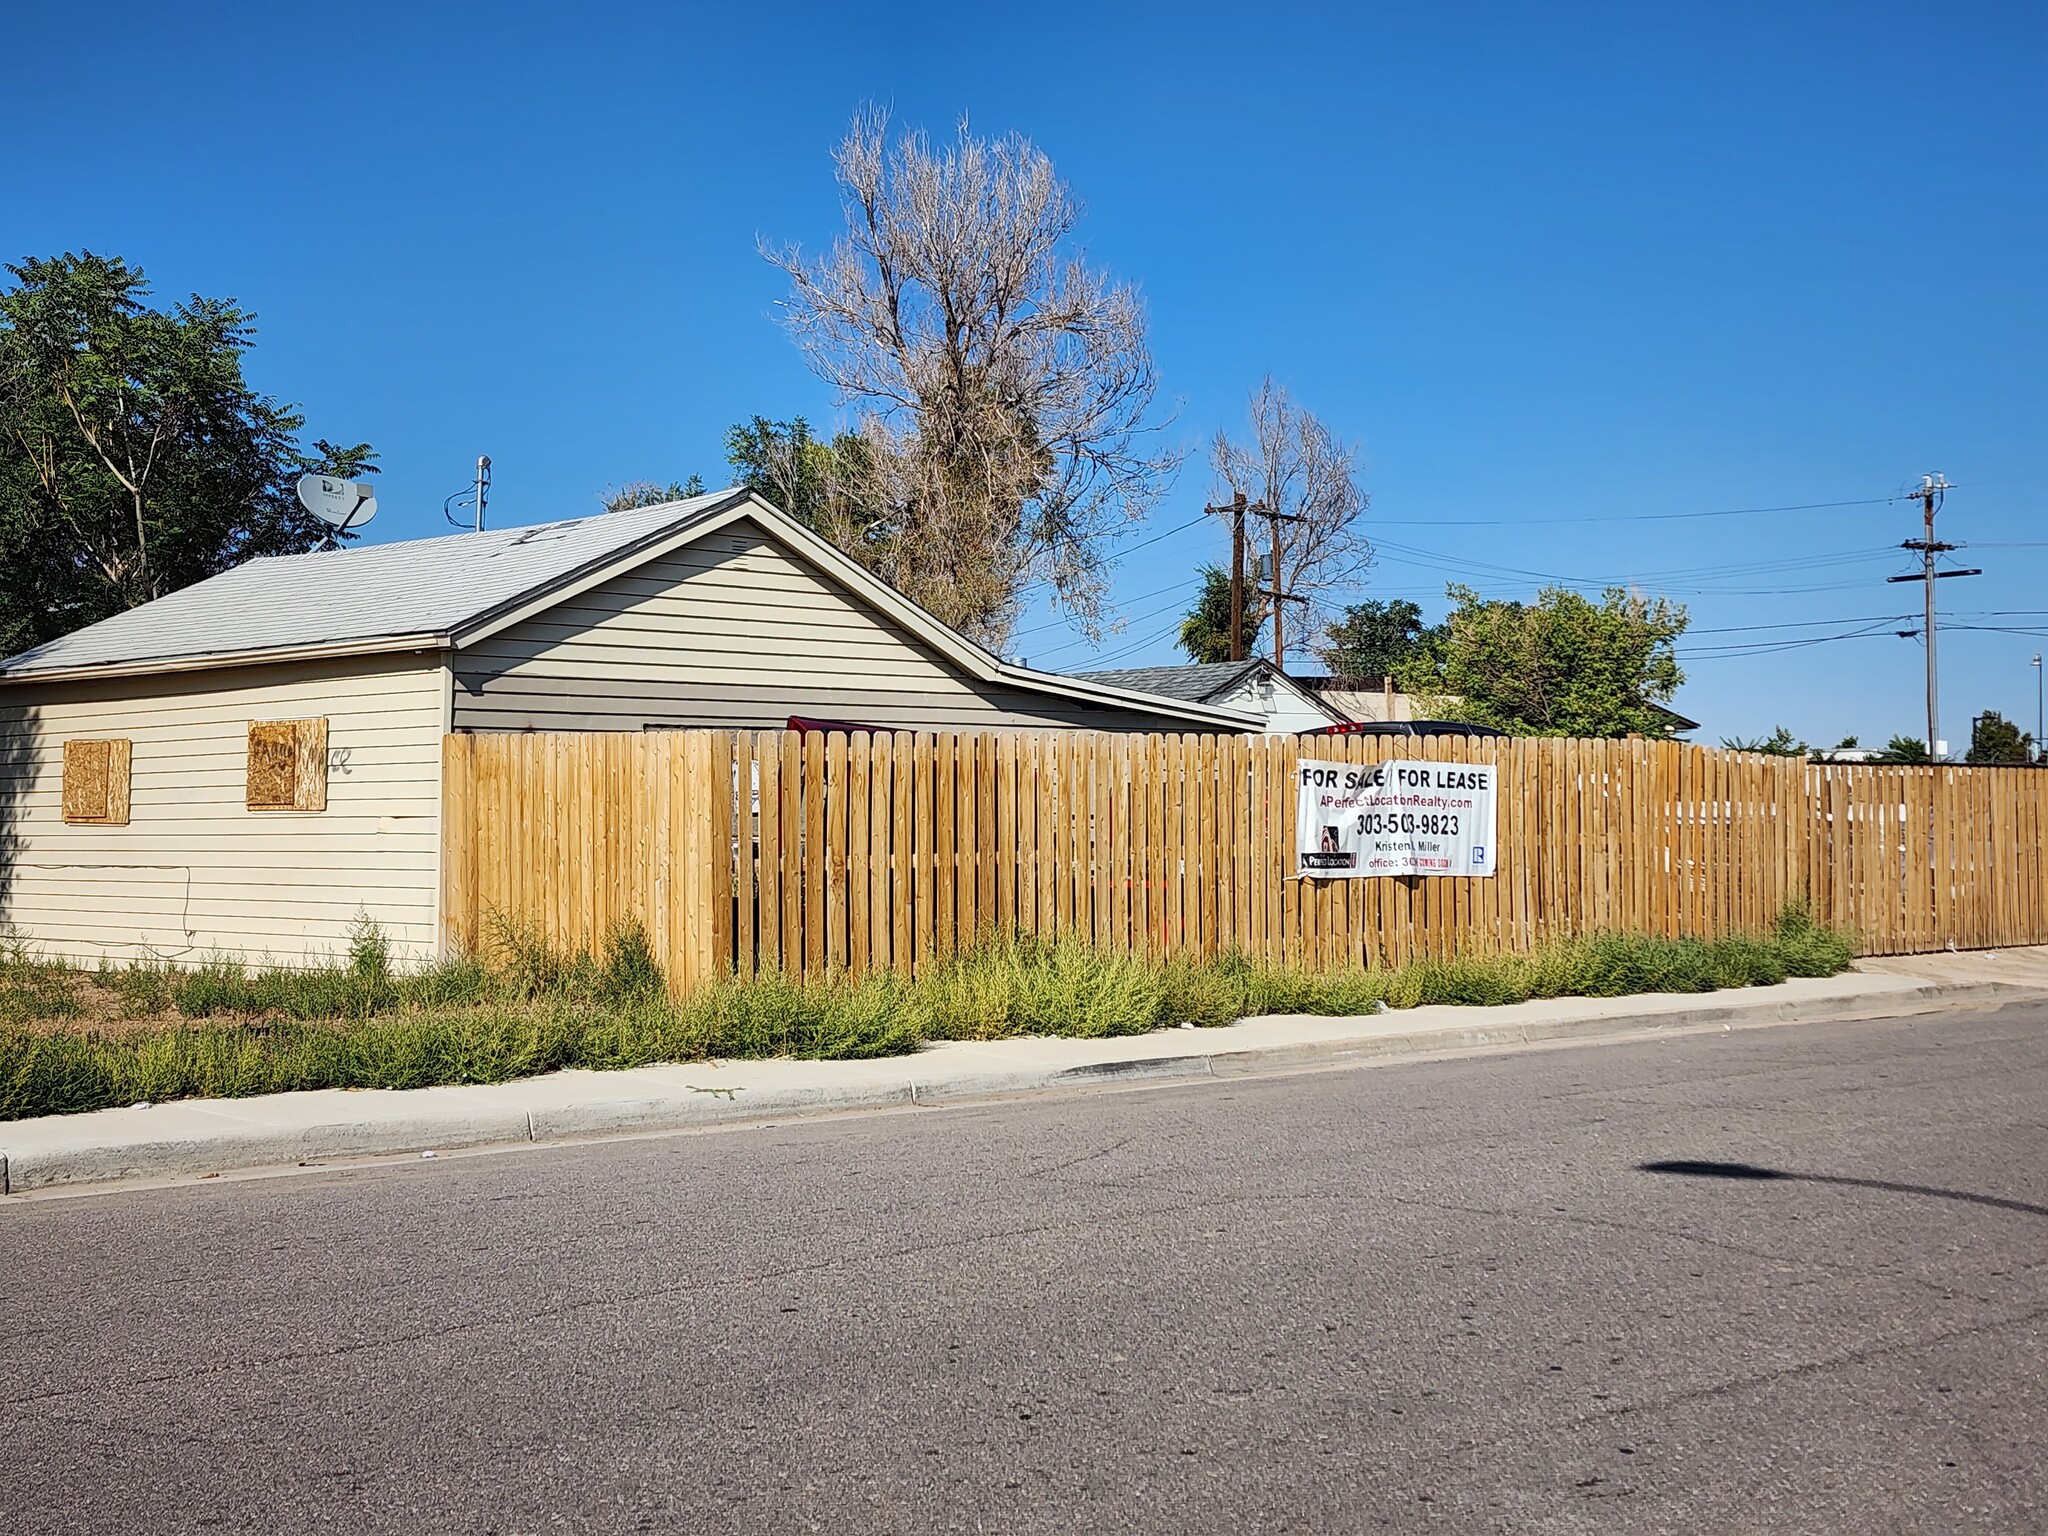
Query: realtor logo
[1478, 856]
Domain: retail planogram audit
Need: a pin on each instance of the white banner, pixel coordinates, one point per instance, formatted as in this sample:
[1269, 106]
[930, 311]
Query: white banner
[1359, 819]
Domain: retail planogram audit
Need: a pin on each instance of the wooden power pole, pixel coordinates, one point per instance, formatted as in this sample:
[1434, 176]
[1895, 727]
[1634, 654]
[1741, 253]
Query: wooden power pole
[1237, 577]
[1278, 597]
[1236, 508]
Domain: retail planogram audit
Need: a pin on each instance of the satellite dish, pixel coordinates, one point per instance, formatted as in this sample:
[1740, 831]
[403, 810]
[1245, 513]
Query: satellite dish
[341, 504]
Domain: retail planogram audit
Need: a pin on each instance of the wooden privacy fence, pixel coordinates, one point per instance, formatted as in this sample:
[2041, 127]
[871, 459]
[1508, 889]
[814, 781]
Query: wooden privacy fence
[824, 853]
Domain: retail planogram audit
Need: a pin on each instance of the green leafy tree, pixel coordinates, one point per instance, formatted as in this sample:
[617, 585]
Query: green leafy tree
[134, 457]
[1780, 743]
[1906, 749]
[1205, 632]
[1996, 740]
[1377, 638]
[822, 484]
[1562, 665]
[650, 493]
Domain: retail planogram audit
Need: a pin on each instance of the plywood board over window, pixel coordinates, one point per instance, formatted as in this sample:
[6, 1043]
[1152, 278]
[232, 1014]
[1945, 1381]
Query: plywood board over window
[287, 765]
[96, 783]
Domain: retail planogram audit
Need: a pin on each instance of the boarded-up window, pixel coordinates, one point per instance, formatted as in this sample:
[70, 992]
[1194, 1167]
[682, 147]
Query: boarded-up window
[96, 783]
[287, 765]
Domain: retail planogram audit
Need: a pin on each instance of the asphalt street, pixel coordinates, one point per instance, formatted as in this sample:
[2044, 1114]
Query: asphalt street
[1453, 1296]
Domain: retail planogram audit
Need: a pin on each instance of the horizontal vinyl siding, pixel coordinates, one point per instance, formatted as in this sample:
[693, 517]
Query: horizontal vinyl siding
[1285, 710]
[195, 872]
[734, 632]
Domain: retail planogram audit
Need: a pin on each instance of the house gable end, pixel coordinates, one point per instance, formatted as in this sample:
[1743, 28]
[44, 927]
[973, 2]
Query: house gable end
[733, 627]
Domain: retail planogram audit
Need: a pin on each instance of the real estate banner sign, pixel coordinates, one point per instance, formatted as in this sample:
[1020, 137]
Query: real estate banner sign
[1358, 819]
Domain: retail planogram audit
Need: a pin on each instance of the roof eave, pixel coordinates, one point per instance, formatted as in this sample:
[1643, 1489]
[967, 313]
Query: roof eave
[870, 588]
[1155, 703]
[214, 660]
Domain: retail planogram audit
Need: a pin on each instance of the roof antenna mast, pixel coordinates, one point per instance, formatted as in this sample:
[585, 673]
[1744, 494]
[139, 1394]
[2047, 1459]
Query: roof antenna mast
[477, 495]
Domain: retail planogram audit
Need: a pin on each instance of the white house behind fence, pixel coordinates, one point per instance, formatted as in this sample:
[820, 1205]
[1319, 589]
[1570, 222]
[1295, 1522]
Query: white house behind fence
[251, 765]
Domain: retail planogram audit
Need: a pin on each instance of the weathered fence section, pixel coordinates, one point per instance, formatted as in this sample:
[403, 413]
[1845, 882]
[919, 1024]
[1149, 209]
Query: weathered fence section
[824, 852]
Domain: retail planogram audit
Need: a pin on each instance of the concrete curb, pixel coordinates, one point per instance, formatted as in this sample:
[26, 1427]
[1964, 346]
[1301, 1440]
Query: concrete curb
[116, 1146]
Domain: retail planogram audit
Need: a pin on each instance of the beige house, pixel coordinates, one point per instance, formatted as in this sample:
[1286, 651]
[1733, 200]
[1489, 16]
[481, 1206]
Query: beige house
[248, 765]
[1370, 699]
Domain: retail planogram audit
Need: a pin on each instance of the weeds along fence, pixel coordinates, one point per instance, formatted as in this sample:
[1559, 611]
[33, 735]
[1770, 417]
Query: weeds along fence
[821, 853]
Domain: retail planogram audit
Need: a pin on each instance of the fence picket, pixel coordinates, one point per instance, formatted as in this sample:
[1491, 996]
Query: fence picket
[819, 853]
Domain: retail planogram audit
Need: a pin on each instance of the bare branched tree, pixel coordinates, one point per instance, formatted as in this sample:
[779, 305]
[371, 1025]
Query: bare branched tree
[1001, 387]
[1295, 465]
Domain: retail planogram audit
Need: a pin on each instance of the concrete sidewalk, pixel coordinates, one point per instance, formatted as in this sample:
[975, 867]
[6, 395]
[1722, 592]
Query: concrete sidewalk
[200, 1137]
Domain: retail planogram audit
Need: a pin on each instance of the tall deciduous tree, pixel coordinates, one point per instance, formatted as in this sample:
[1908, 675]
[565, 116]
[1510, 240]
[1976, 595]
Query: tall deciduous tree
[1293, 464]
[1001, 387]
[821, 483]
[1375, 638]
[648, 493]
[134, 457]
[1205, 632]
[1995, 739]
[1560, 666]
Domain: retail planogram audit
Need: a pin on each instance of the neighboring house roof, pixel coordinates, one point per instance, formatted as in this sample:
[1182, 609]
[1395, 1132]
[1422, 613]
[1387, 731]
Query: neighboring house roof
[455, 590]
[1214, 683]
[1194, 681]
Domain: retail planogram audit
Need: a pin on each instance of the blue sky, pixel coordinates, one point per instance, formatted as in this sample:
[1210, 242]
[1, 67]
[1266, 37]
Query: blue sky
[1563, 271]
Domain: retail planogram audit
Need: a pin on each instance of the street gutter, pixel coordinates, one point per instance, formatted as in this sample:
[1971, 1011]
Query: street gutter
[210, 1137]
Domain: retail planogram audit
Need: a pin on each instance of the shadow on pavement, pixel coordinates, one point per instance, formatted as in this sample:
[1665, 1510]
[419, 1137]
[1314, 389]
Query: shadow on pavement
[1750, 1172]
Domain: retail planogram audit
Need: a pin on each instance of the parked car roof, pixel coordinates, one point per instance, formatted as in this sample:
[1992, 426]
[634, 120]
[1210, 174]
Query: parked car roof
[1403, 728]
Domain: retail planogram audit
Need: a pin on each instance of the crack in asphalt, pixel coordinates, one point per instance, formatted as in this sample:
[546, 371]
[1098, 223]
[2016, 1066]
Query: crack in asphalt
[1861, 1355]
[1646, 1229]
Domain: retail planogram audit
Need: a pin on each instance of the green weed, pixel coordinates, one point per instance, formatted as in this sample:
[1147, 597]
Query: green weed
[523, 1009]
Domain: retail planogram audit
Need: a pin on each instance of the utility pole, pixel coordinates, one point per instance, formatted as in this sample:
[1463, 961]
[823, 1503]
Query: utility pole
[1236, 508]
[1930, 493]
[1280, 598]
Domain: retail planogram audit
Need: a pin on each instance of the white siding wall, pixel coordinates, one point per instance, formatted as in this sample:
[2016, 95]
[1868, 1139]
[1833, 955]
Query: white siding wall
[733, 631]
[194, 872]
[1285, 708]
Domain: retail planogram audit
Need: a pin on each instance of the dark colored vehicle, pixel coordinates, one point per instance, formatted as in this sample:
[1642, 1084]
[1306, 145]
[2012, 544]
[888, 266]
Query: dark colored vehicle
[805, 724]
[1402, 728]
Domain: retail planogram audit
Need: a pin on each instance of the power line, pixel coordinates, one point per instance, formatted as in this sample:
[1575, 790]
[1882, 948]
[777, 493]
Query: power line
[1736, 629]
[1142, 597]
[1134, 619]
[1624, 517]
[1764, 647]
[1139, 644]
[1429, 559]
[1156, 538]
[1670, 517]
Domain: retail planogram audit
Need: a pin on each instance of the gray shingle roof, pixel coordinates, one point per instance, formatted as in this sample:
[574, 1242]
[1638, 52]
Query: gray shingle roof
[1194, 682]
[423, 587]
